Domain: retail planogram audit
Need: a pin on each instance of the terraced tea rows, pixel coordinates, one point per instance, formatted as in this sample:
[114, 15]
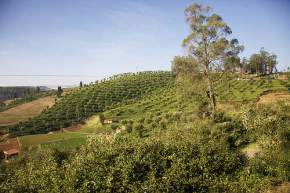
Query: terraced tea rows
[238, 89]
[123, 92]
[84, 102]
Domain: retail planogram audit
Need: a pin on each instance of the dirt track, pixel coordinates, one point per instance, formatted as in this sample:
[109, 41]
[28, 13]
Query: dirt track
[274, 97]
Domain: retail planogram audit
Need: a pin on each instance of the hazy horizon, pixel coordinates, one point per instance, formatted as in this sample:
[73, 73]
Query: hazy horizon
[101, 38]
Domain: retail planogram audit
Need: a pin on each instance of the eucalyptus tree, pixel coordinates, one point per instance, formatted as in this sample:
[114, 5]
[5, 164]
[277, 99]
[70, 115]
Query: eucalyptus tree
[190, 81]
[262, 62]
[208, 43]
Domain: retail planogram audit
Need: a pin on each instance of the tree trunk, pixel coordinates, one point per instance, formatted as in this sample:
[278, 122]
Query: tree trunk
[209, 80]
[211, 92]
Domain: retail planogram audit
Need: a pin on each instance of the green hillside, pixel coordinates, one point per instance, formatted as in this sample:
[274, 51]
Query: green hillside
[234, 88]
[155, 137]
[217, 122]
[84, 102]
[157, 107]
[156, 89]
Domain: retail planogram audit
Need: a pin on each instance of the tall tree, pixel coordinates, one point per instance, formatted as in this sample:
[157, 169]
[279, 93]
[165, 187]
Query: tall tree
[190, 83]
[232, 64]
[263, 63]
[59, 91]
[208, 43]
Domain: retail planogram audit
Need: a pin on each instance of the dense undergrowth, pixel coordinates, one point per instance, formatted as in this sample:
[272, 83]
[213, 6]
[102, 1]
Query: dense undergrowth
[189, 155]
[168, 144]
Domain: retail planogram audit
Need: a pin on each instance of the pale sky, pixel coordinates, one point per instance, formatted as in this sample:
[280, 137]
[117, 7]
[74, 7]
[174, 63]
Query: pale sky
[97, 38]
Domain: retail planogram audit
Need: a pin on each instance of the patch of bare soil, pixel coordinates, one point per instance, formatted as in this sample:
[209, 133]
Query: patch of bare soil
[24, 111]
[72, 128]
[120, 129]
[274, 97]
[225, 106]
[283, 188]
[251, 150]
[11, 143]
[7, 102]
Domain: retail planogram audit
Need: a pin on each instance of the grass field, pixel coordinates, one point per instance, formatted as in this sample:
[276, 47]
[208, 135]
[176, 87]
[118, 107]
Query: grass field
[30, 140]
[68, 139]
[61, 140]
[24, 111]
[65, 145]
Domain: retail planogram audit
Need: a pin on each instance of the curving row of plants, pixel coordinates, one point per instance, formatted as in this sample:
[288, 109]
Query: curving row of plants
[82, 103]
[231, 88]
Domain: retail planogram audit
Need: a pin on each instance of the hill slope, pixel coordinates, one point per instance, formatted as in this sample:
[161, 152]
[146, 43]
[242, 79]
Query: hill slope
[24, 111]
[79, 104]
[82, 103]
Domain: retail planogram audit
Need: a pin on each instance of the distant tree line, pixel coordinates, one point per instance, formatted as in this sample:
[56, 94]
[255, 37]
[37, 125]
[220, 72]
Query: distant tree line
[261, 63]
[16, 92]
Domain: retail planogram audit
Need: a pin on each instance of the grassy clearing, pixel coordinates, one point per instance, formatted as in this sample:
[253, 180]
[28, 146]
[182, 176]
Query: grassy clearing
[32, 140]
[25, 111]
[66, 140]
[65, 145]
[94, 126]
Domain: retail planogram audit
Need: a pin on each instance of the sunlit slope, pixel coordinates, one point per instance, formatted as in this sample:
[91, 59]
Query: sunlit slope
[24, 111]
[236, 89]
[124, 92]
[89, 100]
[160, 109]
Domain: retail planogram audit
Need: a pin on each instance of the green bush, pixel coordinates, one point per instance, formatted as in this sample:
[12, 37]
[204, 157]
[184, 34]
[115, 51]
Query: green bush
[154, 165]
[138, 129]
[114, 126]
[129, 127]
[220, 117]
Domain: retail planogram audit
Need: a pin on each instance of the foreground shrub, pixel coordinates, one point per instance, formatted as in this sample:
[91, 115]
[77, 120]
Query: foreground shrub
[154, 165]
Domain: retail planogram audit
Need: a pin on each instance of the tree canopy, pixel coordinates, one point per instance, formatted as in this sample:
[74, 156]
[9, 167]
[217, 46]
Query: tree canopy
[262, 63]
[208, 43]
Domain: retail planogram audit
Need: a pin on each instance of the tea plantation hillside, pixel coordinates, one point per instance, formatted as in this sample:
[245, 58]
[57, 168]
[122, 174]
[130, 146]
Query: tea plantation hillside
[124, 89]
[232, 88]
[156, 140]
[86, 101]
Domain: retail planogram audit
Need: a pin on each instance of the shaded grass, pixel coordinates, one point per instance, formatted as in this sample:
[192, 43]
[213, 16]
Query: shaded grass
[65, 140]
[65, 145]
[32, 140]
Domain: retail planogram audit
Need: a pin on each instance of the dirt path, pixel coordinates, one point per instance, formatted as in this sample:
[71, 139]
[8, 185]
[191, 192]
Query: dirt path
[283, 188]
[274, 97]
